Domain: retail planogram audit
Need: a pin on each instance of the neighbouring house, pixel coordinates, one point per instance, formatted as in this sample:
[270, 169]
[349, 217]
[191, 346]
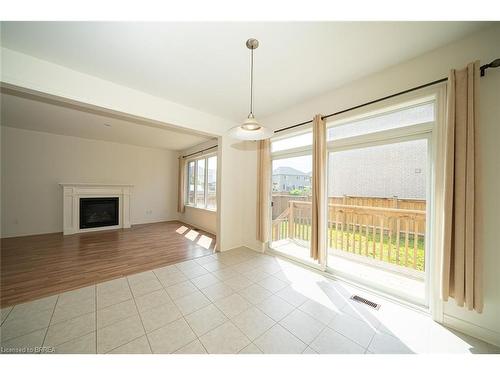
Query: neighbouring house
[288, 179]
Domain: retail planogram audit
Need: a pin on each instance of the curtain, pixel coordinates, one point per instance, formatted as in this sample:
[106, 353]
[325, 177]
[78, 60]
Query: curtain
[181, 186]
[318, 230]
[462, 255]
[263, 189]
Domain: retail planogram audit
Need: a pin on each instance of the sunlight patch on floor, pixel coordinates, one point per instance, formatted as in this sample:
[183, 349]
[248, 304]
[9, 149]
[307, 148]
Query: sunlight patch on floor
[205, 241]
[181, 229]
[309, 284]
[191, 235]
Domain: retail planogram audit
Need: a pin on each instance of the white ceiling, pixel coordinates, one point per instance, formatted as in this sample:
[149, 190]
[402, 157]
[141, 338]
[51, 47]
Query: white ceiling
[206, 65]
[40, 115]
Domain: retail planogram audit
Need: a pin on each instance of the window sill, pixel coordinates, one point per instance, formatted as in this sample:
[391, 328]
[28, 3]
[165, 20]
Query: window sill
[202, 208]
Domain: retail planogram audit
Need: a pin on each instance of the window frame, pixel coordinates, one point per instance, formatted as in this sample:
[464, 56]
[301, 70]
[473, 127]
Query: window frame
[293, 152]
[434, 132]
[204, 157]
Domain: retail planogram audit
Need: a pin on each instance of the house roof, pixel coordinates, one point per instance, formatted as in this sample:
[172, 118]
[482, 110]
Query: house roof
[289, 171]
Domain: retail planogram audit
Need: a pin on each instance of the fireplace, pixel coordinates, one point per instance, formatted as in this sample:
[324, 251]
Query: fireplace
[98, 212]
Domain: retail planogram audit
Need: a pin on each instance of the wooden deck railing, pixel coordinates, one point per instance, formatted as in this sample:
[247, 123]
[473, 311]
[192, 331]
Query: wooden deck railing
[392, 235]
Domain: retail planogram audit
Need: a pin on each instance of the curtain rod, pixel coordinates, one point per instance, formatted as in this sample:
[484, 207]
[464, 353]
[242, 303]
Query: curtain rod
[199, 152]
[493, 64]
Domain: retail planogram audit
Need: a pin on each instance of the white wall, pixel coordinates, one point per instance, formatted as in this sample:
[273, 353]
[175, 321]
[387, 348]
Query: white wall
[484, 46]
[33, 163]
[230, 227]
[199, 218]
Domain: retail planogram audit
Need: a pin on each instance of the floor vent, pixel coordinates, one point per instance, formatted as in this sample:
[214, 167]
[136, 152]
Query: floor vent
[359, 299]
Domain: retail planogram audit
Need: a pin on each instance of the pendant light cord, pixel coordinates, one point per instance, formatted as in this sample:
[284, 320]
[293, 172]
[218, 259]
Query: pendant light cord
[251, 83]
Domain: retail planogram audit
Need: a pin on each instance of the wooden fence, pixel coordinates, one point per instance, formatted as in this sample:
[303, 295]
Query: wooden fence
[280, 202]
[385, 233]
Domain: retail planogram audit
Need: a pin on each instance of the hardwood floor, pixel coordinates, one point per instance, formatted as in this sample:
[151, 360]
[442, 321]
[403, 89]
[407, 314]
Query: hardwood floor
[42, 265]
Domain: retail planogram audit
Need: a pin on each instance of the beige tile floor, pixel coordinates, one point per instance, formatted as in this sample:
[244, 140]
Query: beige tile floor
[239, 301]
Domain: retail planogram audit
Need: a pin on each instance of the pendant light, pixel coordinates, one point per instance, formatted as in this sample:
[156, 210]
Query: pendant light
[251, 130]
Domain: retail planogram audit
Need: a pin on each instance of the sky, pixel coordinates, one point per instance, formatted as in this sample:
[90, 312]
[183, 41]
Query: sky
[301, 163]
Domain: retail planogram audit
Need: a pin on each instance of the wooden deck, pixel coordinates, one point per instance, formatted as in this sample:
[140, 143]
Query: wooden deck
[42, 265]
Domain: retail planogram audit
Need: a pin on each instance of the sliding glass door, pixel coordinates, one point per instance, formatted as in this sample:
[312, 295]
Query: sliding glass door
[378, 189]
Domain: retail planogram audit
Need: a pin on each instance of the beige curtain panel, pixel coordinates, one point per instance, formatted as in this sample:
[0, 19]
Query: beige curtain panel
[462, 257]
[181, 186]
[263, 189]
[318, 229]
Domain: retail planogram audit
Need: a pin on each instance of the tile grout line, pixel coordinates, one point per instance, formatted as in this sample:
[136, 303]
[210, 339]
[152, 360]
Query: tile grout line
[278, 322]
[189, 343]
[197, 337]
[140, 317]
[10, 311]
[228, 319]
[348, 338]
[63, 321]
[139, 313]
[265, 331]
[78, 337]
[371, 340]
[51, 316]
[312, 317]
[172, 300]
[320, 332]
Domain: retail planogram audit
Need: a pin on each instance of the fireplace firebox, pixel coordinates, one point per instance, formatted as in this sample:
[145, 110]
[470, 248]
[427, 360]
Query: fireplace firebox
[98, 212]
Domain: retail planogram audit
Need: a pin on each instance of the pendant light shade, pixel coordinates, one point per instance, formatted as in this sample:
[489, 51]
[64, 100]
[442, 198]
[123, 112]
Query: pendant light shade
[251, 129]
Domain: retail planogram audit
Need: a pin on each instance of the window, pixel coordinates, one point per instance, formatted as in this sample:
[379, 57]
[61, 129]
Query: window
[202, 183]
[302, 140]
[422, 113]
[212, 183]
[378, 195]
[190, 194]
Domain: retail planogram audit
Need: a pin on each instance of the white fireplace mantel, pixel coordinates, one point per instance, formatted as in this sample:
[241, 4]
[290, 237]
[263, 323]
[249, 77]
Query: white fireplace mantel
[72, 192]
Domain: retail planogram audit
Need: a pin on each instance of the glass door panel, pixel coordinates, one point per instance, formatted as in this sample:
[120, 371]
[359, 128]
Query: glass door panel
[291, 206]
[377, 215]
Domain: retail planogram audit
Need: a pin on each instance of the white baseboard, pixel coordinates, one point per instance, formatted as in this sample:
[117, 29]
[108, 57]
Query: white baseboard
[473, 330]
[152, 221]
[196, 226]
[255, 245]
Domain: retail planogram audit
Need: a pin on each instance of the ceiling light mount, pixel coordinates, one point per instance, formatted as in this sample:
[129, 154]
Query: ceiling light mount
[252, 43]
[250, 130]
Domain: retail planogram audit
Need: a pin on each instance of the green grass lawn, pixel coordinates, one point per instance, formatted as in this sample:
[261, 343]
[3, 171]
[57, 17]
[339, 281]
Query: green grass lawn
[357, 245]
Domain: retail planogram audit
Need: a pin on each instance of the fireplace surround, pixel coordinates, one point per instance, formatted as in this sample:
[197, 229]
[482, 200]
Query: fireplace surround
[79, 199]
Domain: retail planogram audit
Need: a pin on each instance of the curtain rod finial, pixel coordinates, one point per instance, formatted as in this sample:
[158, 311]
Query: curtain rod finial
[494, 64]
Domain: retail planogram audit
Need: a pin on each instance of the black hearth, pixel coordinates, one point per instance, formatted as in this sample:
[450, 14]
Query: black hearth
[98, 212]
